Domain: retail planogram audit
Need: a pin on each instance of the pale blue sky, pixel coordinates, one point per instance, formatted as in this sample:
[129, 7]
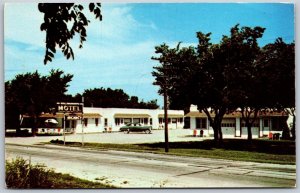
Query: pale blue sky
[119, 49]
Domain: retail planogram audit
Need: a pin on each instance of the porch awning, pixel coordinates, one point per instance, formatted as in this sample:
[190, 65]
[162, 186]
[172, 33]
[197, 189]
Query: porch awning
[91, 115]
[203, 115]
[48, 115]
[196, 114]
[129, 115]
[171, 115]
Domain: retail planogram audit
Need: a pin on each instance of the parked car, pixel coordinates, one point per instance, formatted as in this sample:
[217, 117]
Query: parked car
[136, 127]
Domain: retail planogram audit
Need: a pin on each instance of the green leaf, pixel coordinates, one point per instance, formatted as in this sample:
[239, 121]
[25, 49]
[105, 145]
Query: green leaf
[80, 7]
[44, 27]
[91, 6]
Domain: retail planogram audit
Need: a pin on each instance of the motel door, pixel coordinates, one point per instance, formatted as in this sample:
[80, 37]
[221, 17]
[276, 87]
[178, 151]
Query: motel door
[71, 125]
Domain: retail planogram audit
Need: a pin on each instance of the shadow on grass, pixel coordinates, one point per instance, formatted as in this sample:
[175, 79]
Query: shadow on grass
[256, 145]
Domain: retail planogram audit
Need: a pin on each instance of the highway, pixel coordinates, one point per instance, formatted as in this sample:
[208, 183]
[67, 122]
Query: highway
[146, 170]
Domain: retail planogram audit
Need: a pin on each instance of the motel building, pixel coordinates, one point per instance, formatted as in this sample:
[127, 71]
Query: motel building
[234, 127]
[97, 120]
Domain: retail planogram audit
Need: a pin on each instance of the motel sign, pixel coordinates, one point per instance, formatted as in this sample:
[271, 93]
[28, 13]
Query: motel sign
[69, 107]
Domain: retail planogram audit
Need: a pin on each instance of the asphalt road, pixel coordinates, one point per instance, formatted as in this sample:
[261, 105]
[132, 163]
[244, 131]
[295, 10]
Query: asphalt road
[144, 170]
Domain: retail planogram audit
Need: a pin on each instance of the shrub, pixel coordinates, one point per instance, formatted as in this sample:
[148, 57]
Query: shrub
[21, 174]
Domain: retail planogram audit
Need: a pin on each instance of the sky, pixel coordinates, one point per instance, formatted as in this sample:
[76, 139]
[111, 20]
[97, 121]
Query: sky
[118, 50]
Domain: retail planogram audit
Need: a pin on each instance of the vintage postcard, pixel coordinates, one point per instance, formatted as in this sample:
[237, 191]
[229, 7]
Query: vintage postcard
[149, 95]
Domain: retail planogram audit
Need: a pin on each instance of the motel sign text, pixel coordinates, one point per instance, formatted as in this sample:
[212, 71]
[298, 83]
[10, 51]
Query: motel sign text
[69, 107]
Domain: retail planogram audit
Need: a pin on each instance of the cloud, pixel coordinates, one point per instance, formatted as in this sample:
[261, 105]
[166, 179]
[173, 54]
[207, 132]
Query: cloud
[117, 52]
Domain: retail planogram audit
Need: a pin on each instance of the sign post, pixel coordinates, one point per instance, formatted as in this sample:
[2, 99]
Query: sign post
[82, 125]
[72, 111]
[64, 129]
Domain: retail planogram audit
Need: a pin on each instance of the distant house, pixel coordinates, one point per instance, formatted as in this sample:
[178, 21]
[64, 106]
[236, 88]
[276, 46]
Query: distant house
[95, 120]
[233, 125]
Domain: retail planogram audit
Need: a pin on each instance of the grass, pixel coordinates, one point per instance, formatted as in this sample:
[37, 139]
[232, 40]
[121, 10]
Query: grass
[20, 174]
[258, 150]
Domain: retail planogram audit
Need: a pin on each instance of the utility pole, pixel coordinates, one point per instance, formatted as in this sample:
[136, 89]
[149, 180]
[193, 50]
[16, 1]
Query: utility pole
[166, 120]
[82, 122]
[64, 131]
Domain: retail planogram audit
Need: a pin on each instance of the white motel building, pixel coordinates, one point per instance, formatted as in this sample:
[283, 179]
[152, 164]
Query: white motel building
[97, 120]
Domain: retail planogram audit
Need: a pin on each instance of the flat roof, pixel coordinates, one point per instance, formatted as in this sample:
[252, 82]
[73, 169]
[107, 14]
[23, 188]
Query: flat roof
[131, 115]
[237, 114]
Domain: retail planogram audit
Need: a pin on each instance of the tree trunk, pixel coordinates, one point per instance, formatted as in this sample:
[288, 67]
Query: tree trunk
[216, 134]
[218, 137]
[285, 130]
[293, 130]
[249, 132]
[220, 134]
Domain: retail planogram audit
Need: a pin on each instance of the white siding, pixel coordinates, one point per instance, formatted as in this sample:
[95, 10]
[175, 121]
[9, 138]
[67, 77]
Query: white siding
[109, 114]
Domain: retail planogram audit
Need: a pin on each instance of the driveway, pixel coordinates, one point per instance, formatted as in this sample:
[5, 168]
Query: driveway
[115, 137]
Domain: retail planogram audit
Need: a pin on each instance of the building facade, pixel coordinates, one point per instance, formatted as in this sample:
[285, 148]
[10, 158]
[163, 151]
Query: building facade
[233, 125]
[95, 120]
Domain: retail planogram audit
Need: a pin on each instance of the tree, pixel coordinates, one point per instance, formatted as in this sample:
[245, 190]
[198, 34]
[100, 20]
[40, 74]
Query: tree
[218, 78]
[32, 94]
[242, 51]
[174, 73]
[277, 67]
[62, 21]
[107, 98]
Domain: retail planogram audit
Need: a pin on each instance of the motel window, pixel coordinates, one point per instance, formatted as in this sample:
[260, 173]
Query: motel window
[187, 122]
[160, 120]
[67, 124]
[150, 121]
[127, 120]
[136, 120]
[180, 120]
[105, 122]
[200, 123]
[266, 123]
[169, 120]
[117, 121]
[85, 122]
[203, 124]
[146, 121]
[228, 125]
[96, 122]
[174, 120]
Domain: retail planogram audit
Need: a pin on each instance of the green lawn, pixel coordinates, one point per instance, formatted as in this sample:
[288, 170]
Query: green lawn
[259, 150]
[66, 181]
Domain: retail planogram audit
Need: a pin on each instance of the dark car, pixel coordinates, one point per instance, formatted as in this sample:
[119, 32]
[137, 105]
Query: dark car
[136, 127]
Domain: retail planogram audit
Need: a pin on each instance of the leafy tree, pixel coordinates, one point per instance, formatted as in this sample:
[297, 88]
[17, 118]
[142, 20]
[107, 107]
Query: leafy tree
[277, 67]
[220, 78]
[101, 97]
[62, 21]
[171, 75]
[242, 51]
[32, 94]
